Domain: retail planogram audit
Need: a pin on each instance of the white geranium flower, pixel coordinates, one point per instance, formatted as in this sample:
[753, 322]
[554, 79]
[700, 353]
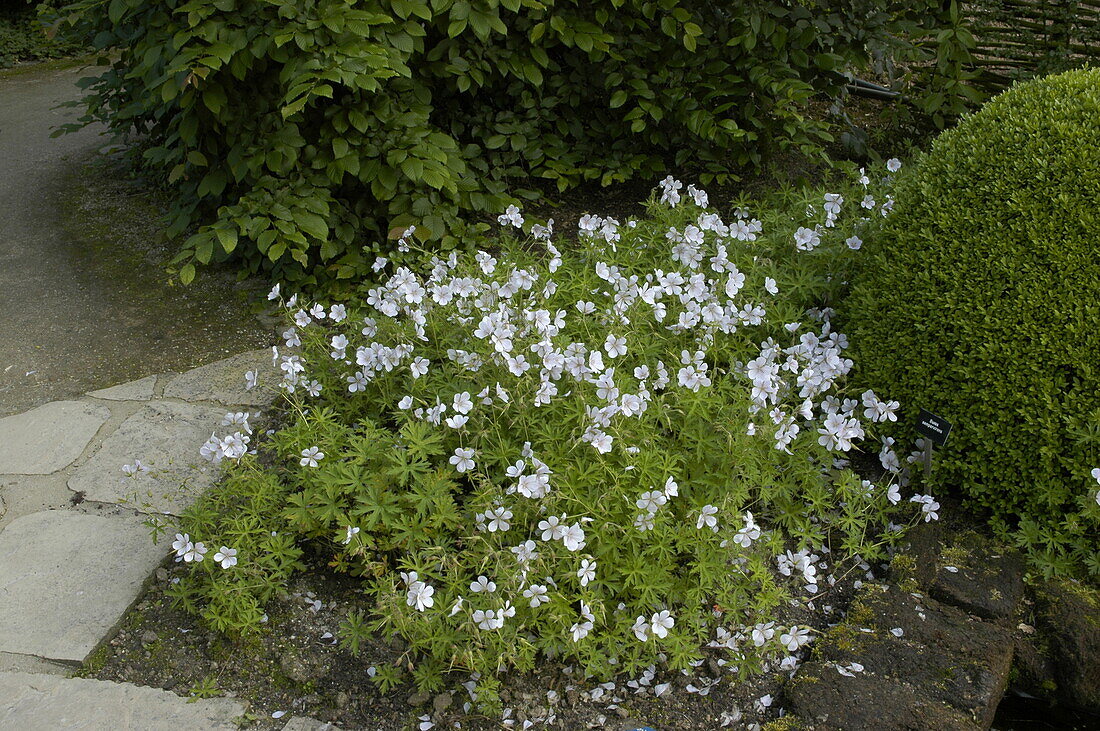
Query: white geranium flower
[488, 619]
[537, 594]
[419, 596]
[651, 501]
[499, 519]
[893, 164]
[352, 531]
[707, 518]
[419, 366]
[311, 456]
[806, 239]
[483, 584]
[794, 638]
[226, 557]
[463, 403]
[195, 552]
[660, 623]
[182, 544]
[130, 470]
[893, 494]
[928, 506]
[587, 571]
[525, 552]
[614, 346]
[580, 630]
[552, 528]
[573, 538]
[511, 217]
[463, 459]
[761, 633]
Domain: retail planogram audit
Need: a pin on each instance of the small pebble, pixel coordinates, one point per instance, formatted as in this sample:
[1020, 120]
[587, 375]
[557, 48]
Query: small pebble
[419, 698]
[442, 702]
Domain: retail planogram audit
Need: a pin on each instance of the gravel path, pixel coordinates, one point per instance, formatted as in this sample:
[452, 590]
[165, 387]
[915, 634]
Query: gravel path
[84, 300]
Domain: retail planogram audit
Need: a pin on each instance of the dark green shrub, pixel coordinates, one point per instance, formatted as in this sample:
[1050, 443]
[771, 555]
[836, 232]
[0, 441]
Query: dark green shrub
[296, 132]
[980, 301]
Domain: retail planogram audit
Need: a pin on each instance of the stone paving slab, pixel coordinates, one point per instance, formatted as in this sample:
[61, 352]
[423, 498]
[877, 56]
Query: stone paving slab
[66, 579]
[12, 663]
[224, 381]
[49, 438]
[140, 390]
[44, 702]
[24, 494]
[166, 437]
[306, 723]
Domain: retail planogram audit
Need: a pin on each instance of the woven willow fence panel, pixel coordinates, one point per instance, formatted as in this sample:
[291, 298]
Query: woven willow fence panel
[1021, 38]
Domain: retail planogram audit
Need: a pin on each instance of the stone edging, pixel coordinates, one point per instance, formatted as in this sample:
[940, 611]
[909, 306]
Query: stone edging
[75, 552]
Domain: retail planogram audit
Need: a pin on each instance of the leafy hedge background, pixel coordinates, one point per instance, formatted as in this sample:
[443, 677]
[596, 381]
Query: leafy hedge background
[980, 301]
[294, 133]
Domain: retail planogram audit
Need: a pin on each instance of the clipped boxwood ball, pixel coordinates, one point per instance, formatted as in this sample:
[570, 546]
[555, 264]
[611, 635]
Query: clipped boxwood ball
[979, 300]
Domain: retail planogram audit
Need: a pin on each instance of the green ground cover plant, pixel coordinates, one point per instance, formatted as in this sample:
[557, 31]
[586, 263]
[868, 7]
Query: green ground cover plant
[986, 284]
[297, 136]
[25, 39]
[615, 455]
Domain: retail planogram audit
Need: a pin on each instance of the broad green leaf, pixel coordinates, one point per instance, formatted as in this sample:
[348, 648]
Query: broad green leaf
[312, 224]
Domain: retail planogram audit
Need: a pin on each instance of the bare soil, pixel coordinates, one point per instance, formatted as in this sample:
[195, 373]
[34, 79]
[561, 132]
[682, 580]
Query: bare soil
[298, 666]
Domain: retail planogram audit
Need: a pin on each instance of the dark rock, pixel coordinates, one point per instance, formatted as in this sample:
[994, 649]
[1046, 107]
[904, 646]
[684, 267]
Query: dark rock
[987, 585]
[1032, 670]
[945, 662]
[162, 574]
[824, 699]
[442, 702]
[918, 560]
[419, 698]
[343, 700]
[148, 637]
[1069, 621]
[968, 571]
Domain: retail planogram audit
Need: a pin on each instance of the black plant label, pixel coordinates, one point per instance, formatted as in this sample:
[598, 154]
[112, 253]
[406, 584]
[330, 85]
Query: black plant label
[933, 427]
